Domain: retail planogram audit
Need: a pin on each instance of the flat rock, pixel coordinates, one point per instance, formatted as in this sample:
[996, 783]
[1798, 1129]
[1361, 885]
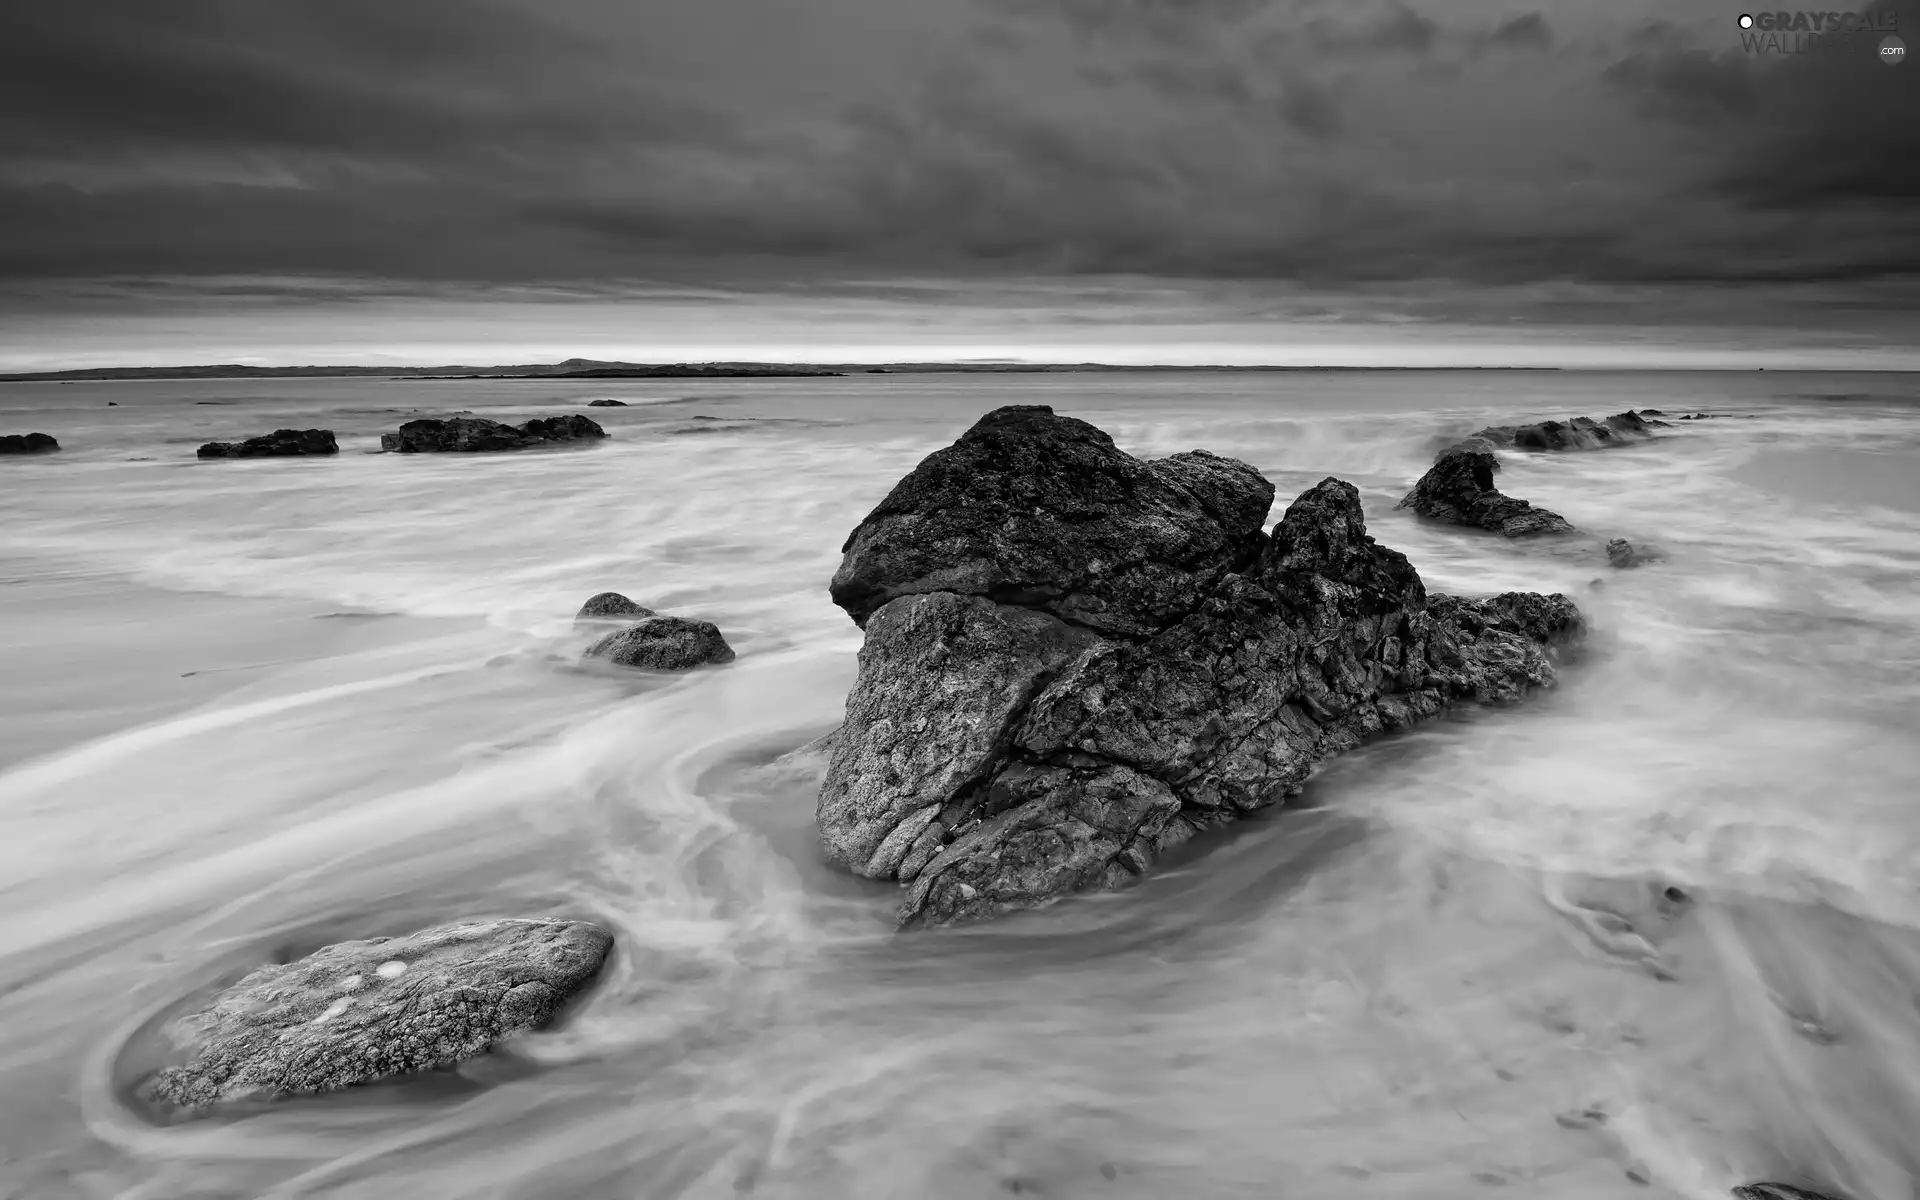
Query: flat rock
[611, 606]
[279, 443]
[28, 443]
[356, 1012]
[467, 435]
[664, 644]
[606, 404]
[1459, 490]
[1000, 749]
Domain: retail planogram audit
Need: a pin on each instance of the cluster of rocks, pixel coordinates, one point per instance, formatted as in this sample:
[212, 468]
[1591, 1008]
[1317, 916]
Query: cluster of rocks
[1075, 660]
[362, 1011]
[278, 444]
[28, 443]
[648, 641]
[466, 435]
[1459, 489]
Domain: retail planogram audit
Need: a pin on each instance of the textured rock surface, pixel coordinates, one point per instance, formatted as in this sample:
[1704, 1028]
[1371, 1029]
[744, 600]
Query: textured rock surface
[279, 443]
[360, 1011]
[998, 751]
[1458, 489]
[1776, 1191]
[1581, 433]
[611, 606]
[664, 644]
[473, 434]
[28, 443]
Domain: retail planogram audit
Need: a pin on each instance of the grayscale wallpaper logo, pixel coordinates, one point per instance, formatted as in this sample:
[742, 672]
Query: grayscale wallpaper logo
[1824, 32]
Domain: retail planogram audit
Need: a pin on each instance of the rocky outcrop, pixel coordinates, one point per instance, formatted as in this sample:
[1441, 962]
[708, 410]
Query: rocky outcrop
[281, 442]
[474, 434]
[28, 443]
[1075, 659]
[664, 644]
[1581, 433]
[611, 606]
[1458, 490]
[606, 404]
[361, 1011]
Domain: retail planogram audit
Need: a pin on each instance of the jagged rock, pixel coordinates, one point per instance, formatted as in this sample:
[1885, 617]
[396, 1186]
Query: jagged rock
[1458, 489]
[1001, 748]
[28, 443]
[1581, 433]
[280, 442]
[361, 1011]
[611, 606]
[606, 404]
[664, 644]
[1623, 553]
[1777, 1191]
[1044, 512]
[472, 434]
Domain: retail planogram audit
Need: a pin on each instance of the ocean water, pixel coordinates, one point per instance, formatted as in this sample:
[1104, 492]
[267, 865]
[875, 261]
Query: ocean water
[254, 707]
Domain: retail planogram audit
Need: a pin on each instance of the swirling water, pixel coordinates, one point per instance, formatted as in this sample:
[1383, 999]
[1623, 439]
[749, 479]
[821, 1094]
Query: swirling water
[253, 707]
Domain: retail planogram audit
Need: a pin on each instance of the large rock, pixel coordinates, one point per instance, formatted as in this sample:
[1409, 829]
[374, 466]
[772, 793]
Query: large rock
[1458, 490]
[1041, 511]
[474, 434]
[361, 1011]
[279, 443]
[28, 443]
[1001, 749]
[1581, 433]
[664, 644]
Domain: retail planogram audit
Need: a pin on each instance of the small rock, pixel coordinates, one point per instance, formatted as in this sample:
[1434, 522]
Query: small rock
[1622, 553]
[664, 644]
[28, 443]
[286, 1029]
[611, 606]
[606, 404]
[279, 443]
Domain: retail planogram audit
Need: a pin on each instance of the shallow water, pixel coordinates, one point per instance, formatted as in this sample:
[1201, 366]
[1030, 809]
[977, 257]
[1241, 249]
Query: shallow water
[253, 707]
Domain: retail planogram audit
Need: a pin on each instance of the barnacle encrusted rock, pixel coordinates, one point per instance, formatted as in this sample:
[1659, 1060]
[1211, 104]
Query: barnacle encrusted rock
[355, 1012]
[1075, 659]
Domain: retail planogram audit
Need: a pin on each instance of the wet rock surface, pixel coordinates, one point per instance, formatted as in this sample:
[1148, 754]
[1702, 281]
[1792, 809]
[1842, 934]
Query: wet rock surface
[279, 443]
[611, 606]
[1076, 659]
[1624, 554]
[664, 644]
[28, 443]
[1459, 490]
[361, 1011]
[1581, 433]
[467, 435]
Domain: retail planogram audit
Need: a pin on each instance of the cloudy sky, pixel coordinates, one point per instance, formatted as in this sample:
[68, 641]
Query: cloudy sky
[1287, 181]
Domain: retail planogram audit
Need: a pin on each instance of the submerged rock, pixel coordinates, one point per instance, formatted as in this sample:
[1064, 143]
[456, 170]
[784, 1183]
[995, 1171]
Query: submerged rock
[1458, 490]
[473, 434]
[664, 644]
[361, 1011]
[611, 606]
[28, 443]
[1623, 553]
[1581, 433]
[280, 442]
[1075, 659]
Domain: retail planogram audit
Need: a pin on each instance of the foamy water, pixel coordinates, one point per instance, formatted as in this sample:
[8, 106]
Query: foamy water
[1453, 972]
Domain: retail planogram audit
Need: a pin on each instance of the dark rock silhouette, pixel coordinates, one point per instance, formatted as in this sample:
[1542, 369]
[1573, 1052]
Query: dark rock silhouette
[1777, 1191]
[360, 1011]
[474, 434]
[1076, 659]
[1458, 490]
[664, 644]
[279, 443]
[606, 404]
[28, 443]
[1581, 433]
[1623, 553]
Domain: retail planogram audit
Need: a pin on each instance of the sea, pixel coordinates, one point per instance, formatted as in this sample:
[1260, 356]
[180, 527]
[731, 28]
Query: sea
[1652, 933]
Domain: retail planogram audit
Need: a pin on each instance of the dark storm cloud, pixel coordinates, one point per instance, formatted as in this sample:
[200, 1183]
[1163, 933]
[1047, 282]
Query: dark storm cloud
[591, 141]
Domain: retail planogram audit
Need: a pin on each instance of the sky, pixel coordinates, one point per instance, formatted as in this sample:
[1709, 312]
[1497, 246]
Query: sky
[1401, 182]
